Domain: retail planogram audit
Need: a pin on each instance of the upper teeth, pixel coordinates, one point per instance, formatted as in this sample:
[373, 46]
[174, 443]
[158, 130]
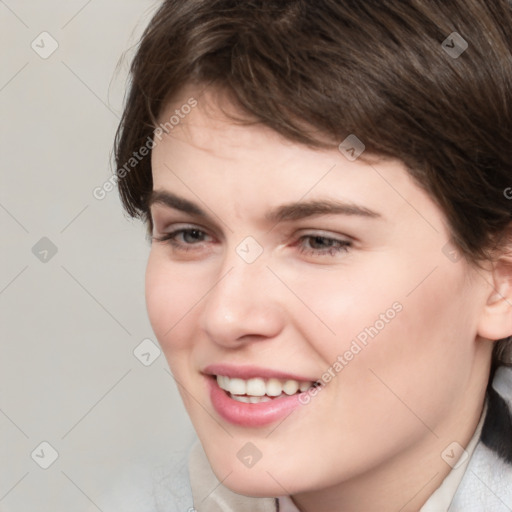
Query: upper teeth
[260, 387]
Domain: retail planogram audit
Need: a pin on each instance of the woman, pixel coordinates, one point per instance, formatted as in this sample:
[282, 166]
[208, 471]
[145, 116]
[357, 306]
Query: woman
[327, 189]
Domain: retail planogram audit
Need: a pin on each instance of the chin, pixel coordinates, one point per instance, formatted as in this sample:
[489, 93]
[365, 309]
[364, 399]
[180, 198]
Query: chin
[247, 485]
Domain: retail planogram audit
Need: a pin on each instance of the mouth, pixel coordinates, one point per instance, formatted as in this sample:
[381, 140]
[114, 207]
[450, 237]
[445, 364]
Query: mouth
[255, 396]
[256, 401]
[259, 389]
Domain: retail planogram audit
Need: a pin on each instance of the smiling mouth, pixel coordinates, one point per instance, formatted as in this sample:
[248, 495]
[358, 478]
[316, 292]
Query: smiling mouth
[257, 390]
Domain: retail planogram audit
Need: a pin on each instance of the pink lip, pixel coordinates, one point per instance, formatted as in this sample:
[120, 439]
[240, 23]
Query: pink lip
[250, 415]
[249, 372]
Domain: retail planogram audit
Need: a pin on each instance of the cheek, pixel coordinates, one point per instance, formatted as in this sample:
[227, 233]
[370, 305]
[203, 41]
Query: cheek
[170, 298]
[341, 305]
[406, 325]
[423, 355]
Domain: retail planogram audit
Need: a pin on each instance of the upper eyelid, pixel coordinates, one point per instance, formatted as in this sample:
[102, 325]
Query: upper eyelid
[207, 225]
[214, 230]
[166, 212]
[170, 227]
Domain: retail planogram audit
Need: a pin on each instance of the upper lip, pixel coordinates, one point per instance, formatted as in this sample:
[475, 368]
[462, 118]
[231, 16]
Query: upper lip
[249, 372]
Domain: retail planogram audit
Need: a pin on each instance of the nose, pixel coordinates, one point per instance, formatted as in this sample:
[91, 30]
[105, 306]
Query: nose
[244, 304]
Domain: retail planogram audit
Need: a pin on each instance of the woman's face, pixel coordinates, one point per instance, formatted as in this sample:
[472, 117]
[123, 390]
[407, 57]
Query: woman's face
[301, 263]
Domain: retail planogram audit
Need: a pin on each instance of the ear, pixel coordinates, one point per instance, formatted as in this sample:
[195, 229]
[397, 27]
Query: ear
[496, 319]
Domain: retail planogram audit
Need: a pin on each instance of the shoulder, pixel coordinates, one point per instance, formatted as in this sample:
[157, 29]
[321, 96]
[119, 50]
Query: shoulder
[486, 482]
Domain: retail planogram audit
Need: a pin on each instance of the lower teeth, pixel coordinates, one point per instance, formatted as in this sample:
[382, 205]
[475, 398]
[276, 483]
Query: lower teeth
[254, 399]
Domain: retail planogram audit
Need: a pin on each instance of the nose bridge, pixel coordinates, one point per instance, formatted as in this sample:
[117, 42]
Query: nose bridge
[238, 282]
[241, 301]
[244, 266]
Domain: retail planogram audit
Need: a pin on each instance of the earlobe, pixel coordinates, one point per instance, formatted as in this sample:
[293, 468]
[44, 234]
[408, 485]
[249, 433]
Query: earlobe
[496, 319]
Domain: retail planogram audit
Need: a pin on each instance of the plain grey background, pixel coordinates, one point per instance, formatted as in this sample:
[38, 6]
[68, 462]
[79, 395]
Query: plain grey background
[72, 310]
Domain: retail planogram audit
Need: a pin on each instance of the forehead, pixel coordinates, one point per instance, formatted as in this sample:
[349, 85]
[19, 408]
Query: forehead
[209, 125]
[207, 132]
[207, 152]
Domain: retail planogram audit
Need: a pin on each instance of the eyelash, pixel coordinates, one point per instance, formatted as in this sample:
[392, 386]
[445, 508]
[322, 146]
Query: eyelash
[342, 247]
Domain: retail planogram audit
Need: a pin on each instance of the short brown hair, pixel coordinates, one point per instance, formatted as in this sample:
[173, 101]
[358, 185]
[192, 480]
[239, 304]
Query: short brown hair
[426, 82]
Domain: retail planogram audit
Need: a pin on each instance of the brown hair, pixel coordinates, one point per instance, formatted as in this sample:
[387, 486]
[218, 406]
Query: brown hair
[392, 72]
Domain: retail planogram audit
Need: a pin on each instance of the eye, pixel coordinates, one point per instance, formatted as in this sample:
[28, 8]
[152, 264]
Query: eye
[192, 238]
[189, 237]
[319, 245]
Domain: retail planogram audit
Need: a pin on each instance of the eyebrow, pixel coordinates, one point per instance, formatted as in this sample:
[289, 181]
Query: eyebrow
[283, 213]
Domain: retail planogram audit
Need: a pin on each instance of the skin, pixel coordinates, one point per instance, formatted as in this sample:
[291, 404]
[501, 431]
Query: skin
[372, 438]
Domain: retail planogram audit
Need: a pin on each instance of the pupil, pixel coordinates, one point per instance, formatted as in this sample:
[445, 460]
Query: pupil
[318, 240]
[193, 235]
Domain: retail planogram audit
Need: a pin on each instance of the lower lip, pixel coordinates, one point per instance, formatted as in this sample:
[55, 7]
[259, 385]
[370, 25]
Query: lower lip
[251, 415]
